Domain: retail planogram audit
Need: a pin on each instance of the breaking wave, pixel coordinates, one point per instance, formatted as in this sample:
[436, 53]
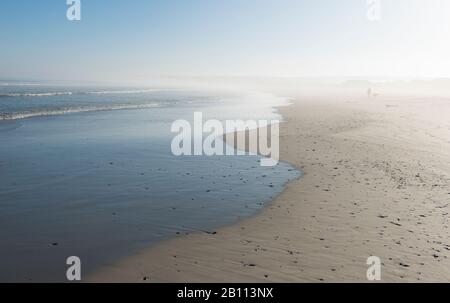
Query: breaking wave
[70, 110]
[68, 93]
[36, 94]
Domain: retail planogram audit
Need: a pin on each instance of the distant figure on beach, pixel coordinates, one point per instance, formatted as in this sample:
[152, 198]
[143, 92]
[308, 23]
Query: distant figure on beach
[369, 93]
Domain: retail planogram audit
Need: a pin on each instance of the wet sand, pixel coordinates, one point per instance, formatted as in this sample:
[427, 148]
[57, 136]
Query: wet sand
[376, 182]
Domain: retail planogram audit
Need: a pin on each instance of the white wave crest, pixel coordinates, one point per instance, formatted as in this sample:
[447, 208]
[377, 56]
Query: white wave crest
[106, 92]
[69, 110]
[36, 94]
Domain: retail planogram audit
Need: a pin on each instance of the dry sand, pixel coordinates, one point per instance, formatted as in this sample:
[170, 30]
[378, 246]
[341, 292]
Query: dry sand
[376, 182]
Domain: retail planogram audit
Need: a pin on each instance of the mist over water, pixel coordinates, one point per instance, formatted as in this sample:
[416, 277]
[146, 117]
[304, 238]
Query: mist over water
[102, 184]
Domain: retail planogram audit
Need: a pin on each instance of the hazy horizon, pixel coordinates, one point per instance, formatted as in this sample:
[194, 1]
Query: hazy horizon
[120, 41]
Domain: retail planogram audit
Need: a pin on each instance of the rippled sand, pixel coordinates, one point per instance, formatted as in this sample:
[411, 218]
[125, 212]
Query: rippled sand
[377, 175]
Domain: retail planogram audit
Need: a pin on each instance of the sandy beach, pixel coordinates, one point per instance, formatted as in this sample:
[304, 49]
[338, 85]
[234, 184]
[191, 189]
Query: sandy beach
[376, 183]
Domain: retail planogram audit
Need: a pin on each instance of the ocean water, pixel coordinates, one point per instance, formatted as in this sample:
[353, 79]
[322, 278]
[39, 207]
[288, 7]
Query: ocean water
[88, 172]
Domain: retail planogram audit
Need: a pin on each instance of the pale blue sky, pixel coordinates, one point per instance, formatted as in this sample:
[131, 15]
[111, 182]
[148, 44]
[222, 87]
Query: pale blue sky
[138, 39]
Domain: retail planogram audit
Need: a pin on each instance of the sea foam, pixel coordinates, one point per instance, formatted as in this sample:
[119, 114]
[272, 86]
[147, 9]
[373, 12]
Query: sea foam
[70, 110]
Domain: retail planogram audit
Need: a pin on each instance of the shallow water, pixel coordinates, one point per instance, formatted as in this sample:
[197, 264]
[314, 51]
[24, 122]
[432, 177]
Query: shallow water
[100, 185]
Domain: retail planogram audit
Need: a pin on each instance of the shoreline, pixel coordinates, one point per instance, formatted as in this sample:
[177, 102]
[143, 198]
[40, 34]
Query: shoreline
[104, 156]
[359, 196]
[98, 275]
